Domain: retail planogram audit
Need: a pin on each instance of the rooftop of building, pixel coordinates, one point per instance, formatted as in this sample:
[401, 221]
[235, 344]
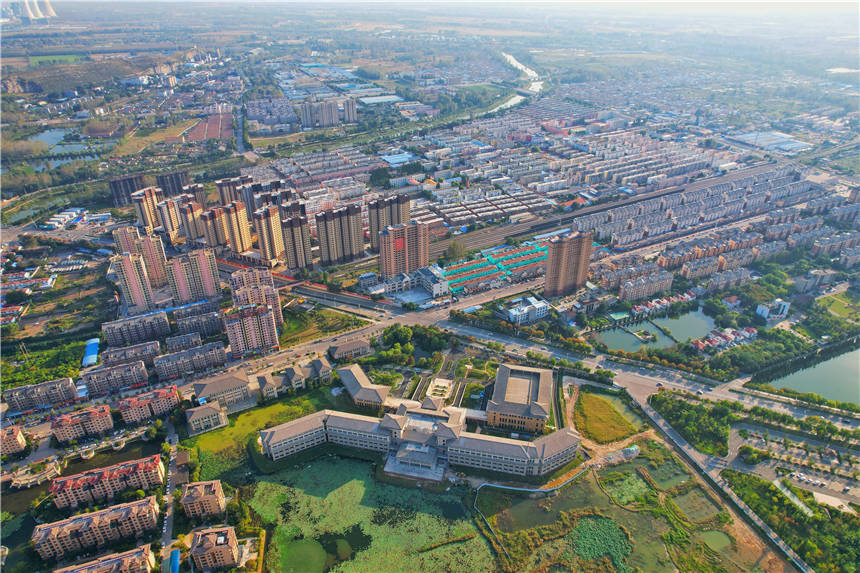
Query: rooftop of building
[522, 391]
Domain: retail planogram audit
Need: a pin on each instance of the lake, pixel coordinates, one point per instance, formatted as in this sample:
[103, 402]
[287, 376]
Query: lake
[835, 379]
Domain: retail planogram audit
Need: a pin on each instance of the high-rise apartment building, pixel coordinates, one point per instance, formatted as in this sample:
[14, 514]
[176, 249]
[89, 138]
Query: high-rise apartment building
[567, 263]
[172, 183]
[121, 189]
[214, 227]
[349, 114]
[133, 282]
[297, 243]
[260, 294]
[319, 114]
[191, 224]
[145, 203]
[228, 188]
[256, 286]
[125, 239]
[392, 210]
[251, 329]
[168, 217]
[198, 193]
[403, 249]
[267, 222]
[128, 240]
[340, 235]
[193, 276]
[238, 229]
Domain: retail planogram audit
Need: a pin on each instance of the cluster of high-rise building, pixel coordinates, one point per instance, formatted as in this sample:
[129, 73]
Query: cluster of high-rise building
[327, 113]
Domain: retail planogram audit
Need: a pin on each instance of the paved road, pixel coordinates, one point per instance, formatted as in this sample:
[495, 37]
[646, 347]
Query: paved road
[167, 532]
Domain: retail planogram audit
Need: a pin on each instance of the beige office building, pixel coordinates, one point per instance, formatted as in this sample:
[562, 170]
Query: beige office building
[522, 398]
[567, 264]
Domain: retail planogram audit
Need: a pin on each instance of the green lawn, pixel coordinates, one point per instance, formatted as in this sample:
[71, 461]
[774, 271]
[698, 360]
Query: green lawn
[844, 305]
[300, 326]
[597, 419]
[225, 450]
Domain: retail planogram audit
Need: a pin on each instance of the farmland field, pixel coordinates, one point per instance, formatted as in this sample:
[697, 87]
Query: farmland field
[133, 144]
[332, 513]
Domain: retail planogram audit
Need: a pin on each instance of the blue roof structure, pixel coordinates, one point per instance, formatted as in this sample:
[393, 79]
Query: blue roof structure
[91, 353]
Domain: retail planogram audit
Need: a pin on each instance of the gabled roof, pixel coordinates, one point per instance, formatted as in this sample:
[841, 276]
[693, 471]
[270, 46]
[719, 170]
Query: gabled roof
[359, 385]
[220, 383]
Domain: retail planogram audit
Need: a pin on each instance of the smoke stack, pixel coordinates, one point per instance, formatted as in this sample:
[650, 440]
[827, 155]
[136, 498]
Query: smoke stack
[49, 10]
[38, 13]
[28, 11]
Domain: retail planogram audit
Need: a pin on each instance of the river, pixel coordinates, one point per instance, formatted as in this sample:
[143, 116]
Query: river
[535, 86]
[835, 379]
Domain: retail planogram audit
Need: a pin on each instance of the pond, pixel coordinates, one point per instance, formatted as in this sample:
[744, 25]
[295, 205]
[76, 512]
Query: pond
[835, 379]
[50, 137]
[689, 325]
[53, 140]
[693, 324]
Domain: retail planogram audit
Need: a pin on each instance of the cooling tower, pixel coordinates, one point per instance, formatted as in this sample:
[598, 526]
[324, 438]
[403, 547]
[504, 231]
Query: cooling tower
[37, 14]
[28, 12]
[49, 10]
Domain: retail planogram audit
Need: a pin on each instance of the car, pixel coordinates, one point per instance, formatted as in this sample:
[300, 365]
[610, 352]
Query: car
[699, 392]
[659, 384]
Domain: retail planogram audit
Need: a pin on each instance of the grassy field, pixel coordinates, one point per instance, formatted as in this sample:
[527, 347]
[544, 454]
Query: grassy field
[300, 327]
[224, 451]
[598, 420]
[132, 144]
[844, 305]
[55, 59]
[331, 514]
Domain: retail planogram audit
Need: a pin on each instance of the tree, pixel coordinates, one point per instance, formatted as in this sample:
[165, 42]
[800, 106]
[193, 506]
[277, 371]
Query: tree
[455, 251]
[17, 297]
